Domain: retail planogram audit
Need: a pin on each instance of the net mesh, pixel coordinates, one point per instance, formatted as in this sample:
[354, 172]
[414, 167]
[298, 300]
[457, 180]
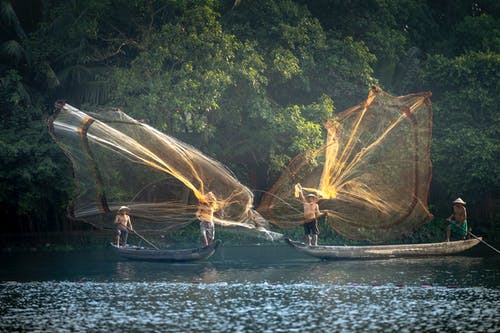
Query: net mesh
[373, 174]
[118, 160]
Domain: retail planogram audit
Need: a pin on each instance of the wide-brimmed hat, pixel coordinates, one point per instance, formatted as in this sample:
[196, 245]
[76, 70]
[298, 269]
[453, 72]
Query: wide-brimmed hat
[123, 208]
[459, 201]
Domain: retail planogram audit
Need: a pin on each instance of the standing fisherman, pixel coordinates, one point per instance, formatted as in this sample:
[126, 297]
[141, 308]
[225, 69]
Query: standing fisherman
[123, 225]
[205, 215]
[311, 214]
[457, 220]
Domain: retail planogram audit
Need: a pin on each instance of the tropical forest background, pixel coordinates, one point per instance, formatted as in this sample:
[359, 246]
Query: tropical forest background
[249, 83]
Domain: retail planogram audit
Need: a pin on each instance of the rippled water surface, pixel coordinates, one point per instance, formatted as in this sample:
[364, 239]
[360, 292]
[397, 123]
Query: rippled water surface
[248, 289]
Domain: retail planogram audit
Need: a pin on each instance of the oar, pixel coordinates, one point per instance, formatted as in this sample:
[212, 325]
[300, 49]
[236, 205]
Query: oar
[144, 239]
[478, 238]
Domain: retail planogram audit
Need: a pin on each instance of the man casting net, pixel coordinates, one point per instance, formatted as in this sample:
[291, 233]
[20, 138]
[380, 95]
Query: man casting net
[118, 160]
[372, 175]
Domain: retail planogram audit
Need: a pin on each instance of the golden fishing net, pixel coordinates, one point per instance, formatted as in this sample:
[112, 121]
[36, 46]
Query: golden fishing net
[118, 160]
[372, 175]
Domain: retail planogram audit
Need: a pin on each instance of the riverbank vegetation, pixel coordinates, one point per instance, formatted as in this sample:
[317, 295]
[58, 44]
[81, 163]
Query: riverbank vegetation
[248, 83]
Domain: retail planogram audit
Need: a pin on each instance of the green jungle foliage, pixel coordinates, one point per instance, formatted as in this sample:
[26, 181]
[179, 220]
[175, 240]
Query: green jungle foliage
[248, 82]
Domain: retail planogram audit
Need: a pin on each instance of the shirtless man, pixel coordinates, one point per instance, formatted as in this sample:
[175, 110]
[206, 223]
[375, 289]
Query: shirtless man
[123, 225]
[457, 220]
[311, 214]
[205, 214]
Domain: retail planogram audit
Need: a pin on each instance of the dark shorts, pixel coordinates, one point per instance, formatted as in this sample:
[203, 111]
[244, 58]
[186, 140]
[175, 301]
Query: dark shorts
[120, 231]
[123, 234]
[311, 227]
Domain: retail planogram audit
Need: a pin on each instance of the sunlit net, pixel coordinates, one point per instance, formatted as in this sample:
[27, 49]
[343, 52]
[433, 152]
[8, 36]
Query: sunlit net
[118, 160]
[372, 175]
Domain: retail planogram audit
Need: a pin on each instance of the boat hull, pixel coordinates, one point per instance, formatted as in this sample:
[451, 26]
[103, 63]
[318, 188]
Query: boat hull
[147, 254]
[384, 251]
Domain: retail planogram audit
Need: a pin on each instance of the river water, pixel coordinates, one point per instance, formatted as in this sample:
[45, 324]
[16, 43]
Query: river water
[247, 289]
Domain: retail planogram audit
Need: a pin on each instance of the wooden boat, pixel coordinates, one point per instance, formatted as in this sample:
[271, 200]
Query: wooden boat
[384, 251]
[148, 254]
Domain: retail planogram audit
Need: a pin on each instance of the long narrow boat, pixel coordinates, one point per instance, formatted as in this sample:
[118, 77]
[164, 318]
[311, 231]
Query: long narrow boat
[148, 254]
[384, 251]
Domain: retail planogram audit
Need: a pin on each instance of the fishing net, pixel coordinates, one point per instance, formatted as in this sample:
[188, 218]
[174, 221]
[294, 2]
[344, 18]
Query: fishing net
[118, 160]
[373, 174]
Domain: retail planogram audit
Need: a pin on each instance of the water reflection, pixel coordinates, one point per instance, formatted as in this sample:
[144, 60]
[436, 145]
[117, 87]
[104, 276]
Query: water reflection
[423, 271]
[255, 264]
[205, 272]
[268, 289]
[209, 274]
[125, 270]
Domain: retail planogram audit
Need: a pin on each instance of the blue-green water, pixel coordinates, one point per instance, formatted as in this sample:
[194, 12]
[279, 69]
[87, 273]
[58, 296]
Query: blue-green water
[248, 289]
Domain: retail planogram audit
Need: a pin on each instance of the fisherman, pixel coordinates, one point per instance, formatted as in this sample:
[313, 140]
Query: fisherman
[311, 214]
[205, 214]
[123, 225]
[457, 221]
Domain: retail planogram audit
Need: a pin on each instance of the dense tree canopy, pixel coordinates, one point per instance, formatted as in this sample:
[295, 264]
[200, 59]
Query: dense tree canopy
[247, 82]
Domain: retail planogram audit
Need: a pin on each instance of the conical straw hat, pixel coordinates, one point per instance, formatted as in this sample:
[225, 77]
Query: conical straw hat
[459, 201]
[124, 208]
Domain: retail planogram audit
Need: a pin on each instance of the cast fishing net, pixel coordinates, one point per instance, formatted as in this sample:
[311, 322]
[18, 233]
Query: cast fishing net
[118, 160]
[372, 175]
